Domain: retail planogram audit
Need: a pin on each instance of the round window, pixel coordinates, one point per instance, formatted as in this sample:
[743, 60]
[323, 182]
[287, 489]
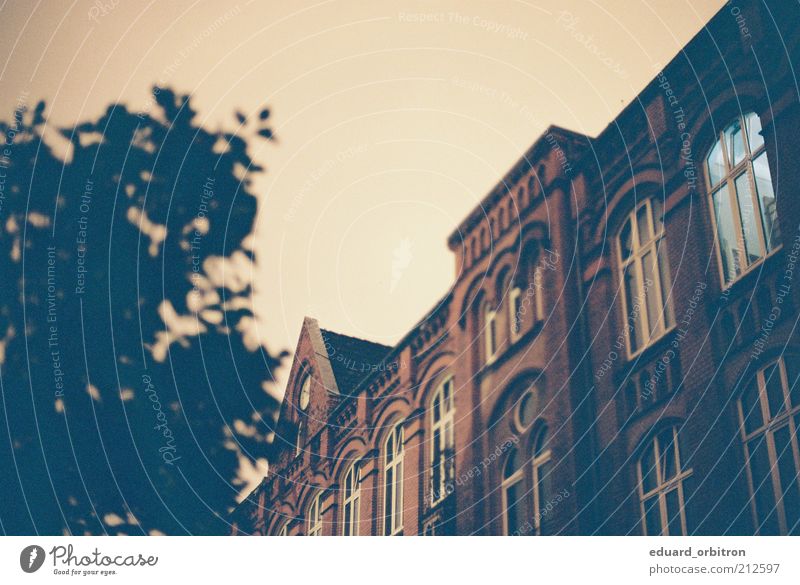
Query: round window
[526, 409]
[305, 392]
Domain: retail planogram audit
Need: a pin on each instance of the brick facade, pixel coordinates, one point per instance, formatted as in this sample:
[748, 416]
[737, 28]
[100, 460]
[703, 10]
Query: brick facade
[550, 228]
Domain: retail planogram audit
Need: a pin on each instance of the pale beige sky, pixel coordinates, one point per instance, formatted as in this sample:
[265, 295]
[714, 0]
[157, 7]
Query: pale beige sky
[394, 117]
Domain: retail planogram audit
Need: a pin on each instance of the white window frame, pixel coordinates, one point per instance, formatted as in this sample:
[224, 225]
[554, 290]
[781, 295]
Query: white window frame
[769, 425]
[351, 500]
[537, 462]
[444, 424]
[315, 515]
[638, 251]
[728, 180]
[508, 482]
[662, 489]
[490, 333]
[393, 461]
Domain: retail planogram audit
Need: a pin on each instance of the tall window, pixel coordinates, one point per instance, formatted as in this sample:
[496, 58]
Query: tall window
[661, 478]
[315, 515]
[351, 501]
[542, 478]
[515, 503]
[515, 312]
[490, 332]
[644, 275]
[744, 203]
[442, 440]
[393, 482]
[769, 412]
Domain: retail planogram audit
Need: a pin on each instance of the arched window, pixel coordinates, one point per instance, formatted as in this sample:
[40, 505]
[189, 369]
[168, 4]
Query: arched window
[351, 500]
[490, 332]
[442, 441]
[742, 197]
[542, 479]
[661, 477]
[315, 515]
[515, 502]
[644, 275]
[393, 482]
[769, 413]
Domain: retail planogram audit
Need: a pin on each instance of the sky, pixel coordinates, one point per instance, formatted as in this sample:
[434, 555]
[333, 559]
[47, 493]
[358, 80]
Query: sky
[394, 118]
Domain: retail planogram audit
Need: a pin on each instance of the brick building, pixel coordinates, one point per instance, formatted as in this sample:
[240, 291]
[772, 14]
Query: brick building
[618, 352]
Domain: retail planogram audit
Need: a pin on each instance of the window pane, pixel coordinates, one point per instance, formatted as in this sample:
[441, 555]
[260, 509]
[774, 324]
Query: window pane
[754, 132]
[751, 408]
[750, 221]
[398, 496]
[527, 409]
[788, 473]
[648, 466]
[767, 201]
[665, 283]
[669, 462]
[388, 499]
[715, 164]
[632, 300]
[625, 242]
[674, 513]
[762, 486]
[517, 510]
[658, 214]
[652, 516]
[774, 387]
[545, 486]
[734, 140]
[651, 295]
[643, 225]
[727, 237]
[512, 464]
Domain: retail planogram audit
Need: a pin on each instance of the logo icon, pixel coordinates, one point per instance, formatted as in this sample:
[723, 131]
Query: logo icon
[31, 558]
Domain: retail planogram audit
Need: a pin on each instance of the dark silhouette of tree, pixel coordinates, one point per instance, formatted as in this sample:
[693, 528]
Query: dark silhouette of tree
[129, 392]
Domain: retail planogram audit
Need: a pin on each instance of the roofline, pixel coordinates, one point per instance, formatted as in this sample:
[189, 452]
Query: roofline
[523, 165]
